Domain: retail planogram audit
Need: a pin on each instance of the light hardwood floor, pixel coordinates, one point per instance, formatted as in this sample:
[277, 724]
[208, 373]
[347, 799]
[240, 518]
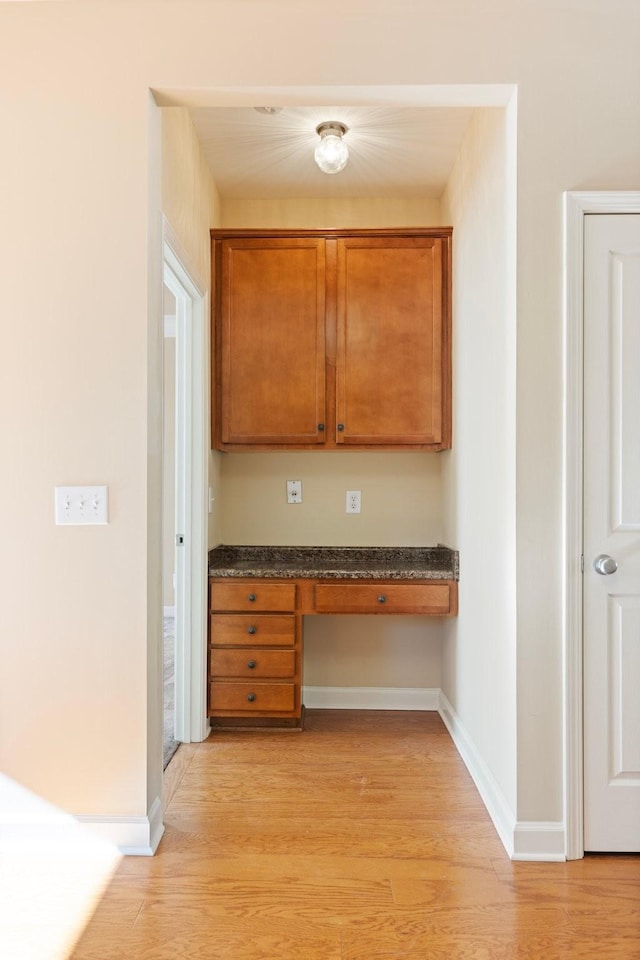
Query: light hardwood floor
[362, 838]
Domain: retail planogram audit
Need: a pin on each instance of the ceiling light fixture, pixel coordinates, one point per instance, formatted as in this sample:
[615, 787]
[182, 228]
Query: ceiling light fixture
[331, 154]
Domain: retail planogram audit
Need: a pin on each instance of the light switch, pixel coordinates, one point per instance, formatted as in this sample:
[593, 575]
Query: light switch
[81, 505]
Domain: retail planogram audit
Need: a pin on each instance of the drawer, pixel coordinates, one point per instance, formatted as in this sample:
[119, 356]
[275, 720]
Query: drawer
[436, 599]
[259, 698]
[253, 663]
[230, 629]
[252, 595]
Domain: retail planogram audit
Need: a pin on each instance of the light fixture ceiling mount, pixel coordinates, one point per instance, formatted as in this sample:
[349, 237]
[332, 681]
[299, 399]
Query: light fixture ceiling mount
[332, 153]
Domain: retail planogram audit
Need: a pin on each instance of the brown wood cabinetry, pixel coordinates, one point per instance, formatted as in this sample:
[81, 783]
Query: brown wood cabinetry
[332, 339]
[254, 657]
[438, 598]
[271, 339]
[255, 636]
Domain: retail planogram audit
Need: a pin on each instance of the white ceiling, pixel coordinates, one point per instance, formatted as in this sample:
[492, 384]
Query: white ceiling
[394, 152]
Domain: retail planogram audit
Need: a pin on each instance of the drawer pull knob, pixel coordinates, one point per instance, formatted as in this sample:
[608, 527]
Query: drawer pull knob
[251, 664]
[321, 427]
[382, 598]
[251, 597]
[251, 630]
[251, 697]
[341, 427]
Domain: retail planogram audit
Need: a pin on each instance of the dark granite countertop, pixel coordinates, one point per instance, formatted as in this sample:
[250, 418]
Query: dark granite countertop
[349, 563]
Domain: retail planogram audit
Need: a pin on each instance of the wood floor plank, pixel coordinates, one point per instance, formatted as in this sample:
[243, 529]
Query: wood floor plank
[221, 943]
[338, 800]
[590, 867]
[178, 765]
[301, 836]
[548, 946]
[315, 906]
[196, 875]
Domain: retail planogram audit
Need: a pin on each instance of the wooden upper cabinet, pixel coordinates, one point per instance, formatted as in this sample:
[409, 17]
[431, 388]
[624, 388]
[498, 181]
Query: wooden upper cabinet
[272, 347]
[332, 339]
[390, 376]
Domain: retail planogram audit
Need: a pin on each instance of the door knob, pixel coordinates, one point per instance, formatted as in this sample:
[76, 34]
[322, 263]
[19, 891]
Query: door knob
[604, 565]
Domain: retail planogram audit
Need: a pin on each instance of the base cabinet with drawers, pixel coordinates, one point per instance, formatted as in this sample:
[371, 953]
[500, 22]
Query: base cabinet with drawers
[255, 637]
[254, 653]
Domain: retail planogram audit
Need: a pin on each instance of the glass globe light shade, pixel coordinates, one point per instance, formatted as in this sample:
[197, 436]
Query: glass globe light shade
[332, 153]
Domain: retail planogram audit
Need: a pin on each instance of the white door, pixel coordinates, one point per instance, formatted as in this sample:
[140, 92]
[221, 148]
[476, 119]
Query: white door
[612, 530]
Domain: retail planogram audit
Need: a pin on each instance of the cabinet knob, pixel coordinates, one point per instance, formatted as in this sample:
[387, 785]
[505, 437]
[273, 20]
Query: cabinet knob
[251, 597]
[251, 630]
[341, 426]
[251, 664]
[251, 697]
[382, 598]
[321, 426]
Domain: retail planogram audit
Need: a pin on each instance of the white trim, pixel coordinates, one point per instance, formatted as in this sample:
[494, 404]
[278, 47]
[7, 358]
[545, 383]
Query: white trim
[407, 95]
[170, 326]
[133, 836]
[192, 428]
[539, 840]
[169, 611]
[370, 698]
[497, 807]
[46, 827]
[576, 207]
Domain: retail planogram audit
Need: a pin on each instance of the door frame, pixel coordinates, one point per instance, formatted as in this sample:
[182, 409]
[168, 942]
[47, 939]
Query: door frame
[577, 205]
[192, 430]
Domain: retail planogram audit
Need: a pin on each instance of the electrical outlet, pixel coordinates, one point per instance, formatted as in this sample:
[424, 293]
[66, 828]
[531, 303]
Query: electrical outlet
[294, 491]
[353, 501]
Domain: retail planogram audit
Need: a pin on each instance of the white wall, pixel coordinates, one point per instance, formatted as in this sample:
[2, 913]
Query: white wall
[401, 498]
[191, 207]
[344, 212]
[190, 201]
[479, 649]
[76, 241]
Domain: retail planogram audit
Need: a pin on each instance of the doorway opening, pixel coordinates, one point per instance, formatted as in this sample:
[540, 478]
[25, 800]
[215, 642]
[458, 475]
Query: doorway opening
[185, 499]
[494, 731]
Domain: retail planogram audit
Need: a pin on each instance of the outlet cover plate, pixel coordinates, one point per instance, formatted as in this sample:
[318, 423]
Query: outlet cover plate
[354, 501]
[294, 491]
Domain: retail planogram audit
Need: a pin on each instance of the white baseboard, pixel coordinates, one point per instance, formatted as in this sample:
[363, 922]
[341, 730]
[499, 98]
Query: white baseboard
[39, 826]
[539, 840]
[497, 807]
[370, 698]
[169, 611]
[134, 836]
[523, 840]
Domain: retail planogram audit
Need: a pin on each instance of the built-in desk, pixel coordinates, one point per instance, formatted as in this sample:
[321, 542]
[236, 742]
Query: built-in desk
[258, 596]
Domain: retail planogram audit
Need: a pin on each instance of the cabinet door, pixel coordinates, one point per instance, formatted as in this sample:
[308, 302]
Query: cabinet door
[392, 373]
[272, 341]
